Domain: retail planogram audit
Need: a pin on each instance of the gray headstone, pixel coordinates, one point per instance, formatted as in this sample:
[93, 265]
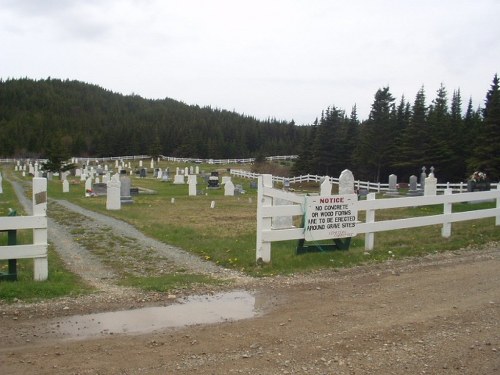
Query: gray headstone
[413, 191]
[393, 186]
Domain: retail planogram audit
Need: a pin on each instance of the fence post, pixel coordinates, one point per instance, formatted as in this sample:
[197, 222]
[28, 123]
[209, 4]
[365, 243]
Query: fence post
[263, 249]
[446, 230]
[41, 267]
[370, 218]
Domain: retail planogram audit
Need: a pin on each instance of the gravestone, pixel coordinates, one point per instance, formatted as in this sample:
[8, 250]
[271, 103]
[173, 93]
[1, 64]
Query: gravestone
[100, 189]
[142, 173]
[159, 175]
[113, 201]
[65, 186]
[191, 170]
[140, 163]
[393, 186]
[326, 187]
[179, 179]
[423, 176]
[430, 187]
[1, 182]
[152, 164]
[281, 222]
[413, 191]
[229, 188]
[125, 183]
[192, 185]
[88, 184]
[186, 171]
[346, 182]
[197, 170]
[238, 189]
[286, 184]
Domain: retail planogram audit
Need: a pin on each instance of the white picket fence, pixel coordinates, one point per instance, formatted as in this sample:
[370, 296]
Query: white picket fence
[459, 187]
[266, 211]
[38, 223]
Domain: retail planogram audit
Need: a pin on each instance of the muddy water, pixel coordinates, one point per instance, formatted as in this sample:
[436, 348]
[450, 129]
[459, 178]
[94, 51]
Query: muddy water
[217, 308]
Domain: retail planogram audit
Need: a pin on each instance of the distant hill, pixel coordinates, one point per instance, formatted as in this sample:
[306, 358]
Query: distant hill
[88, 120]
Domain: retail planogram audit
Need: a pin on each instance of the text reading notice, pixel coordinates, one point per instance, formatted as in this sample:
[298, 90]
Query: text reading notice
[330, 217]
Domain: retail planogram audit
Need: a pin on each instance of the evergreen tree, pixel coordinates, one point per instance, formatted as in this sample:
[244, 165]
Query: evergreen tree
[378, 137]
[486, 152]
[411, 149]
[439, 143]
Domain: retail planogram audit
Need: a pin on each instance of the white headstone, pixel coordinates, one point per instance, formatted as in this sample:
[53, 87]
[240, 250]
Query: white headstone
[197, 170]
[65, 186]
[282, 222]
[152, 164]
[113, 201]
[430, 187]
[1, 186]
[186, 171]
[178, 179]
[229, 188]
[326, 187]
[192, 185]
[88, 184]
[346, 182]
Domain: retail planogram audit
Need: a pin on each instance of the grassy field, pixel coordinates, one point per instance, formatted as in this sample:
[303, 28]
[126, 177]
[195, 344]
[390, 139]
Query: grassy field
[226, 234]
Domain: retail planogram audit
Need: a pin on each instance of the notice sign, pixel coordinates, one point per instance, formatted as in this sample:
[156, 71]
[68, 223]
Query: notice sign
[330, 217]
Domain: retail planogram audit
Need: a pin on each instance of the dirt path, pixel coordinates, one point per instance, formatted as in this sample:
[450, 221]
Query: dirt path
[434, 315]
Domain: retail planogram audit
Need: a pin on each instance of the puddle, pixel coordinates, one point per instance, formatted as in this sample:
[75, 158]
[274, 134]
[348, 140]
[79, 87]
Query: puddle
[195, 310]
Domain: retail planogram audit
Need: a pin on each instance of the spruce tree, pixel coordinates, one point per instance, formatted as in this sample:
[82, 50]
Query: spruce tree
[486, 151]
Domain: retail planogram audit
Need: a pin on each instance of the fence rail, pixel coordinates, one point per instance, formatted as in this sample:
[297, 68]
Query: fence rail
[267, 210]
[459, 187]
[38, 223]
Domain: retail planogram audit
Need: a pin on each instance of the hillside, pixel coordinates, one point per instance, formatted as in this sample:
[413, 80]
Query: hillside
[89, 120]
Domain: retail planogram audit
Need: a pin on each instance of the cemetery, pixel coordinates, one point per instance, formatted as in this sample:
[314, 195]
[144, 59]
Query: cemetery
[148, 192]
[392, 227]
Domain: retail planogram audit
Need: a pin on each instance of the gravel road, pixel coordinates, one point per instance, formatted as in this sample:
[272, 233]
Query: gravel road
[437, 314]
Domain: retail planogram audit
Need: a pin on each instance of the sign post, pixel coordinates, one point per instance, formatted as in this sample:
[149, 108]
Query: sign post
[329, 218]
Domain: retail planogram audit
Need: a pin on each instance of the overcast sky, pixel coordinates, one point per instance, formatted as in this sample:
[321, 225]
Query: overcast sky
[286, 59]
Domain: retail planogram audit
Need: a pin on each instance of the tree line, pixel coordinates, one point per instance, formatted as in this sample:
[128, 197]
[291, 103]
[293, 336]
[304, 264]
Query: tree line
[38, 116]
[402, 137]
[59, 119]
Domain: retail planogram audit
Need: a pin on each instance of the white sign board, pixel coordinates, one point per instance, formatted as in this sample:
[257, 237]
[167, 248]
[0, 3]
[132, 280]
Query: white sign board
[328, 217]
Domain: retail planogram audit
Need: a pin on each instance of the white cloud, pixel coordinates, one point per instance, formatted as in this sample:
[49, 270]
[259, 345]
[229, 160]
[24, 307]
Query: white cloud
[276, 58]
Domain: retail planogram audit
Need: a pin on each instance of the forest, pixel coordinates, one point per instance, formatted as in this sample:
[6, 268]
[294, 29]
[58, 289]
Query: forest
[400, 136]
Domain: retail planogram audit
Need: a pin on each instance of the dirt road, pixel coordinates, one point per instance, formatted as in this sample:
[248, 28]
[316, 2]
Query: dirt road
[434, 315]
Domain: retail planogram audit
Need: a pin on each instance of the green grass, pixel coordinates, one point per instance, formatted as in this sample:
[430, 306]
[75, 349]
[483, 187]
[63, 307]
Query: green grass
[60, 282]
[169, 283]
[226, 235]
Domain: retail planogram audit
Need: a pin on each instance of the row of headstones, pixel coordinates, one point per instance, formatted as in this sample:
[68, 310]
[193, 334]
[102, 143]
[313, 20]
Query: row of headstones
[229, 188]
[347, 186]
[428, 184]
